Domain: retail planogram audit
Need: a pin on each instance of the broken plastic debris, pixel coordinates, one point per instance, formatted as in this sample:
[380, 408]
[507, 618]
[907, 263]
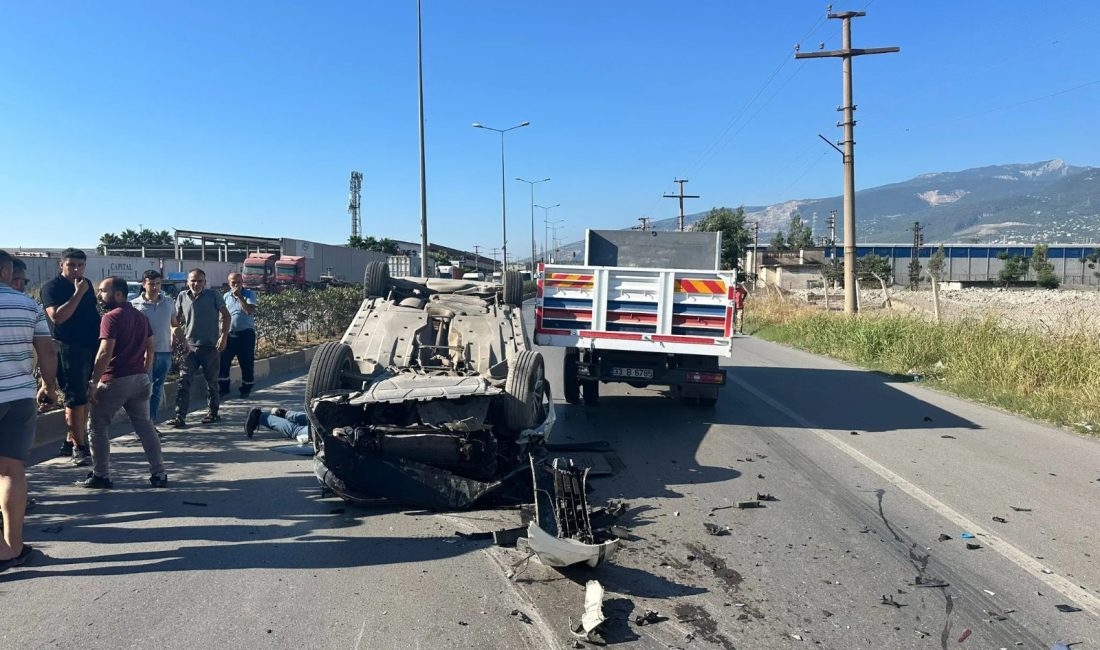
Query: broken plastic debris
[1067, 609]
[556, 552]
[944, 537]
[1019, 509]
[715, 529]
[965, 635]
[593, 618]
[967, 535]
[1047, 571]
[989, 592]
[1000, 520]
[749, 504]
[971, 546]
[765, 497]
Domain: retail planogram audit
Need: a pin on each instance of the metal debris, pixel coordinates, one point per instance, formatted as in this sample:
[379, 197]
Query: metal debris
[649, 618]
[944, 537]
[1019, 509]
[1067, 609]
[971, 546]
[1000, 520]
[715, 529]
[749, 504]
[765, 497]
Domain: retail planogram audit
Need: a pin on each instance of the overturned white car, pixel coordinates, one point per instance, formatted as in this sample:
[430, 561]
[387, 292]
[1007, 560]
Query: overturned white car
[432, 398]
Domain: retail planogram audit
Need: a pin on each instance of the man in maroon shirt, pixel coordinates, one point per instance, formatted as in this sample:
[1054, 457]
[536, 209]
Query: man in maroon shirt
[120, 379]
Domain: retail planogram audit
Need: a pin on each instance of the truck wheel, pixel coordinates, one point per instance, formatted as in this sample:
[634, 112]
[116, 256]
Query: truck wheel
[376, 280]
[525, 389]
[326, 371]
[571, 387]
[590, 390]
[513, 288]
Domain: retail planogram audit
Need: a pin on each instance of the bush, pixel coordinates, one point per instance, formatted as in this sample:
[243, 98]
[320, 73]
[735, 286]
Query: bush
[282, 318]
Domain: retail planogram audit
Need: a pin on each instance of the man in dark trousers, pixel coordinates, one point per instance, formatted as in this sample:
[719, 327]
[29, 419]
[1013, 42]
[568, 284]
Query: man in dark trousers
[120, 379]
[198, 311]
[23, 334]
[69, 301]
[241, 304]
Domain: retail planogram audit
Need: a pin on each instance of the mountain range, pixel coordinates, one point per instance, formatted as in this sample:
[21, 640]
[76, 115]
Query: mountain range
[1044, 202]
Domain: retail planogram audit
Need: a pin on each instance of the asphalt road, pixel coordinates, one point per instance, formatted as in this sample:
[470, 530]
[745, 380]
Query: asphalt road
[242, 552]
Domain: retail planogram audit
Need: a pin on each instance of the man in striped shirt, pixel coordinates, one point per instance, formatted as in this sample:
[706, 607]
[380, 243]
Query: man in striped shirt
[23, 333]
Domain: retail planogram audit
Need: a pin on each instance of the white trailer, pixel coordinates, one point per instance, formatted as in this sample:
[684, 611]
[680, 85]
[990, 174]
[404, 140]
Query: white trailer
[641, 326]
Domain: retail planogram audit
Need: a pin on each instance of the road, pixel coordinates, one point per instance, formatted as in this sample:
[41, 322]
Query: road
[867, 473]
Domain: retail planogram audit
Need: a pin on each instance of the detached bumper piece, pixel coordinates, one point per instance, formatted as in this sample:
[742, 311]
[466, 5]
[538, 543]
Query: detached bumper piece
[561, 532]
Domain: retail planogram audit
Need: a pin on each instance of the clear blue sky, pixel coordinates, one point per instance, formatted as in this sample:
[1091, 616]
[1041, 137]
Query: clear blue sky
[248, 116]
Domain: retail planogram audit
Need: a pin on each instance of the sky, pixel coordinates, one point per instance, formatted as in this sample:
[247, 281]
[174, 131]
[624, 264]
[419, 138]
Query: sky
[248, 117]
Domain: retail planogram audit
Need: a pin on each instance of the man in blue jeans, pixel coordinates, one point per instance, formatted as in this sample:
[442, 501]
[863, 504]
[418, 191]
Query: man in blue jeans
[292, 424]
[161, 313]
[241, 304]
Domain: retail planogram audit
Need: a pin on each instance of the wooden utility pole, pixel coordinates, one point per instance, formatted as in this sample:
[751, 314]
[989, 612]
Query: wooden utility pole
[681, 196]
[846, 53]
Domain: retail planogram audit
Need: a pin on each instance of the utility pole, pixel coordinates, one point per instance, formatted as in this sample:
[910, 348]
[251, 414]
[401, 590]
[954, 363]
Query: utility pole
[645, 224]
[356, 187]
[914, 262]
[681, 196]
[423, 172]
[846, 53]
[493, 252]
[755, 253]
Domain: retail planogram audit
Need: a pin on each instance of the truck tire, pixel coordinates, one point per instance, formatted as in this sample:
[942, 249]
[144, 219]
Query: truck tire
[571, 386]
[513, 288]
[525, 389]
[376, 280]
[326, 371]
[590, 390]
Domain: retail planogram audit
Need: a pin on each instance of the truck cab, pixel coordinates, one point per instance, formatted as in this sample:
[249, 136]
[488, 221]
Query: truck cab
[258, 271]
[290, 271]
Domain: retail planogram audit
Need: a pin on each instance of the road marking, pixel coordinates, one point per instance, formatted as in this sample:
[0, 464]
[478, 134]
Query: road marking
[1067, 588]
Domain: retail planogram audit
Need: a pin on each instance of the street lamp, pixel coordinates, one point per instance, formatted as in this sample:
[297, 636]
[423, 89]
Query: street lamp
[532, 184]
[555, 240]
[503, 196]
[546, 225]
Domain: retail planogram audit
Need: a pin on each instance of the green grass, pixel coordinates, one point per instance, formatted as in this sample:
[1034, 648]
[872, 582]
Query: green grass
[1056, 379]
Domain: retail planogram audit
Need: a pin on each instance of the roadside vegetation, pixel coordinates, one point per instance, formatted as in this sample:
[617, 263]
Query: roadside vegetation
[1051, 378]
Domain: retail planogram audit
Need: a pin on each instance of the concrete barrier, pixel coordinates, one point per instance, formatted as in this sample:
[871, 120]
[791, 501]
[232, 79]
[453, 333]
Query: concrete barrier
[51, 425]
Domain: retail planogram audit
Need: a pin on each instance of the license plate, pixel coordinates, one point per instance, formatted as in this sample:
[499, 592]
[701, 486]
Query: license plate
[633, 373]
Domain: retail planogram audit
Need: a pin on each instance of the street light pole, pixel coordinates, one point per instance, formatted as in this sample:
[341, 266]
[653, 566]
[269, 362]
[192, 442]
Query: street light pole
[503, 192]
[546, 226]
[423, 177]
[532, 184]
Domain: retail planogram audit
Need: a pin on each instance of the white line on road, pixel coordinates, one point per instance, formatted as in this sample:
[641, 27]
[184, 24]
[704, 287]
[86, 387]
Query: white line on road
[1085, 600]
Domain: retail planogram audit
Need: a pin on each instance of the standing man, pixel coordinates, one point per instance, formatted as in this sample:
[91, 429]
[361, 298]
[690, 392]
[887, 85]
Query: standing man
[120, 379]
[739, 295]
[198, 311]
[241, 304]
[162, 318]
[23, 334]
[70, 305]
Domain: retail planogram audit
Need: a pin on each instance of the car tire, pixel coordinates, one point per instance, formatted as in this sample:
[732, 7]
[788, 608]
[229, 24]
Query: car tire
[376, 280]
[590, 391]
[327, 370]
[513, 288]
[571, 386]
[525, 389]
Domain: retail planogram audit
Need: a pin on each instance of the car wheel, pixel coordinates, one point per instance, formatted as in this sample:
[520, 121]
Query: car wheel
[327, 370]
[376, 280]
[571, 387]
[513, 288]
[525, 388]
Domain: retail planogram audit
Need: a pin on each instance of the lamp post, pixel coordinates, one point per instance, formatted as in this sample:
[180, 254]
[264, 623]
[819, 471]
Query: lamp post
[503, 192]
[554, 228]
[532, 184]
[546, 225]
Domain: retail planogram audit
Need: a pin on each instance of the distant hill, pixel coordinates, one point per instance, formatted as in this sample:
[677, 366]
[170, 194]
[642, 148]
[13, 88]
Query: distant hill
[1049, 202]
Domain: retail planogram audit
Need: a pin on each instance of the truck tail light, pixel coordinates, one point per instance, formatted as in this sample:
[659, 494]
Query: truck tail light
[695, 377]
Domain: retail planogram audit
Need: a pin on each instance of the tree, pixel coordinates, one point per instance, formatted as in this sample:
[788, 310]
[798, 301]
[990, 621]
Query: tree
[735, 234]
[935, 274]
[800, 235]
[778, 244]
[1044, 270]
[1015, 267]
[384, 245]
[873, 266]
[131, 238]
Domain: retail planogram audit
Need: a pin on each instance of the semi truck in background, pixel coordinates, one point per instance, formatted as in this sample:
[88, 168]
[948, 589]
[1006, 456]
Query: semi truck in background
[646, 308]
[259, 272]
